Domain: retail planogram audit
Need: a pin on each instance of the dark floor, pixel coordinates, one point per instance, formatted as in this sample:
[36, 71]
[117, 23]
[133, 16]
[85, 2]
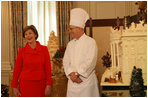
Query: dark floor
[108, 91]
[118, 91]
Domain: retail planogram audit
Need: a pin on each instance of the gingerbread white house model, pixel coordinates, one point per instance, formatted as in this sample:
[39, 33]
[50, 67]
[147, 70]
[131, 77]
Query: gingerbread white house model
[128, 49]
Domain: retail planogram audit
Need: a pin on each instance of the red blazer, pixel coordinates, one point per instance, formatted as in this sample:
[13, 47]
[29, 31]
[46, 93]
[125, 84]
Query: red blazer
[32, 64]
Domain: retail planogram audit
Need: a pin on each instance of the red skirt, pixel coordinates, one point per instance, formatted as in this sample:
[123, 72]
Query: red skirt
[32, 88]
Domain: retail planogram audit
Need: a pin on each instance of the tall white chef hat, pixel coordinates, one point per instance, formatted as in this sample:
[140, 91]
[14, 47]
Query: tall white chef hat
[78, 17]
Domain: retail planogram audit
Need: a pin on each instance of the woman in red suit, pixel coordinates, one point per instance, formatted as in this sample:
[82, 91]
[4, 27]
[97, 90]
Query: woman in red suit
[32, 67]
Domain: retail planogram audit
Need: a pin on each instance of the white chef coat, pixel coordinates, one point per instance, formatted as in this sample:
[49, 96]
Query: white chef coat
[81, 56]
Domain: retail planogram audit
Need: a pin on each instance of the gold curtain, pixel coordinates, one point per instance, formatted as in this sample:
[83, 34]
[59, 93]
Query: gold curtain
[63, 17]
[18, 20]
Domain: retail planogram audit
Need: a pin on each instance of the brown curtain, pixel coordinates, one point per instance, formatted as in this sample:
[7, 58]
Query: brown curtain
[18, 20]
[63, 17]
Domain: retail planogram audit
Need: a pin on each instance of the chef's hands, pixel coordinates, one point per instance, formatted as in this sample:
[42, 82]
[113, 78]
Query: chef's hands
[78, 80]
[75, 78]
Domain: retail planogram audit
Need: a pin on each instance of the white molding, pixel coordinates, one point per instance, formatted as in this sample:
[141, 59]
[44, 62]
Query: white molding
[5, 66]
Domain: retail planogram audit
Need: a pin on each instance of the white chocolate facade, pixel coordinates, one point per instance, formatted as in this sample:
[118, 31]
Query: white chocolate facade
[128, 49]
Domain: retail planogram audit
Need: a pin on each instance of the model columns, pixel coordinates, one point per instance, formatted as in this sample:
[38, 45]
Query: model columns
[115, 53]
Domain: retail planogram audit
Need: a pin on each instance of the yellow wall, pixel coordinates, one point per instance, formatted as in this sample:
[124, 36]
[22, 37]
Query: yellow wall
[107, 9]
